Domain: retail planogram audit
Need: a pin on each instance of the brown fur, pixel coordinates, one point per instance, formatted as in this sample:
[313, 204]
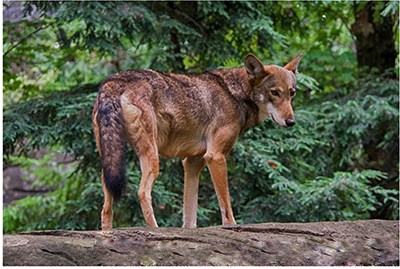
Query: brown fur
[197, 117]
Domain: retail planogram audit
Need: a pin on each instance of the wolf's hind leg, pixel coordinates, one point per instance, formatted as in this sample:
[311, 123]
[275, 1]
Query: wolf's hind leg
[150, 169]
[141, 134]
[107, 212]
[193, 167]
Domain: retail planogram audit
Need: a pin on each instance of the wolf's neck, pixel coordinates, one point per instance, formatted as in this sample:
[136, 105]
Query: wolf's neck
[237, 82]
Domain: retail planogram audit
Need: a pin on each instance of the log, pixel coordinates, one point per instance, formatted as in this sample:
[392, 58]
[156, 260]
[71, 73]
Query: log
[364, 242]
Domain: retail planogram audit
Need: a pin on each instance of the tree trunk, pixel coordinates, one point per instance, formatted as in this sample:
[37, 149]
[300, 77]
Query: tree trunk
[374, 38]
[370, 242]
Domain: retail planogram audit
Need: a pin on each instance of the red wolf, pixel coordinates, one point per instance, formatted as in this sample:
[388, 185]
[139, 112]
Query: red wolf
[195, 117]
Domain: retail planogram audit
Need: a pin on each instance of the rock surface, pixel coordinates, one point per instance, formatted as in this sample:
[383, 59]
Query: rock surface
[367, 242]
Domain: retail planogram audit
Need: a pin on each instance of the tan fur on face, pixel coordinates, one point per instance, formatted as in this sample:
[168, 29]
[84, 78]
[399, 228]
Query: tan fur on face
[278, 108]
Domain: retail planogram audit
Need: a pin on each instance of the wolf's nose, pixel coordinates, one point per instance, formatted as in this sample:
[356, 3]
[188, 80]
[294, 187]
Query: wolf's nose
[290, 122]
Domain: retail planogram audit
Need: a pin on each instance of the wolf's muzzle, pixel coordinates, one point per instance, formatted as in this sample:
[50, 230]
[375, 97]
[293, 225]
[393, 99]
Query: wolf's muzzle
[290, 122]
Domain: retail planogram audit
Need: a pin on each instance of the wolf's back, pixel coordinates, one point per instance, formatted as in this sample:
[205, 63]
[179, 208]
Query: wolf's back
[112, 142]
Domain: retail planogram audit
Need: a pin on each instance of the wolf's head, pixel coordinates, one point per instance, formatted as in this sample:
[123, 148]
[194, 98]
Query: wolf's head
[273, 89]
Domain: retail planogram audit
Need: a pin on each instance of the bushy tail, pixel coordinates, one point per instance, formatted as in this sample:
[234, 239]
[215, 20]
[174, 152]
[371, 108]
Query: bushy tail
[112, 144]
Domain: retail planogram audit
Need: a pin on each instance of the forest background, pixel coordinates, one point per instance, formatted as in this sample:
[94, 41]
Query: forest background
[339, 162]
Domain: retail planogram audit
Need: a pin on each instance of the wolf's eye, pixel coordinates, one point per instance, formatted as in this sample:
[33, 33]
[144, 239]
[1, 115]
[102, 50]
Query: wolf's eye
[274, 93]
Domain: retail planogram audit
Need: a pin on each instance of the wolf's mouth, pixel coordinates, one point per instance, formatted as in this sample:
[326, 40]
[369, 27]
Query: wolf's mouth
[272, 117]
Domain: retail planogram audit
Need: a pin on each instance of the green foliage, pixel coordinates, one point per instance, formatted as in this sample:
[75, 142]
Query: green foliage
[366, 123]
[325, 28]
[40, 212]
[339, 162]
[59, 119]
[346, 196]
[193, 30]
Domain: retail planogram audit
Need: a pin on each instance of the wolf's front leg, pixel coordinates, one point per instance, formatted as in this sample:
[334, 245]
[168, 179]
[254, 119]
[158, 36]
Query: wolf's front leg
[216, 162]
[193, 167]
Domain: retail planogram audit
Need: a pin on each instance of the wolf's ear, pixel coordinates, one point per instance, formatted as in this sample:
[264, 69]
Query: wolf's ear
[292, 66]
[254, 67]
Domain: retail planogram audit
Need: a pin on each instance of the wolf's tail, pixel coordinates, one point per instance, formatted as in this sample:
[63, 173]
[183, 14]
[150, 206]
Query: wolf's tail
[112, 144]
